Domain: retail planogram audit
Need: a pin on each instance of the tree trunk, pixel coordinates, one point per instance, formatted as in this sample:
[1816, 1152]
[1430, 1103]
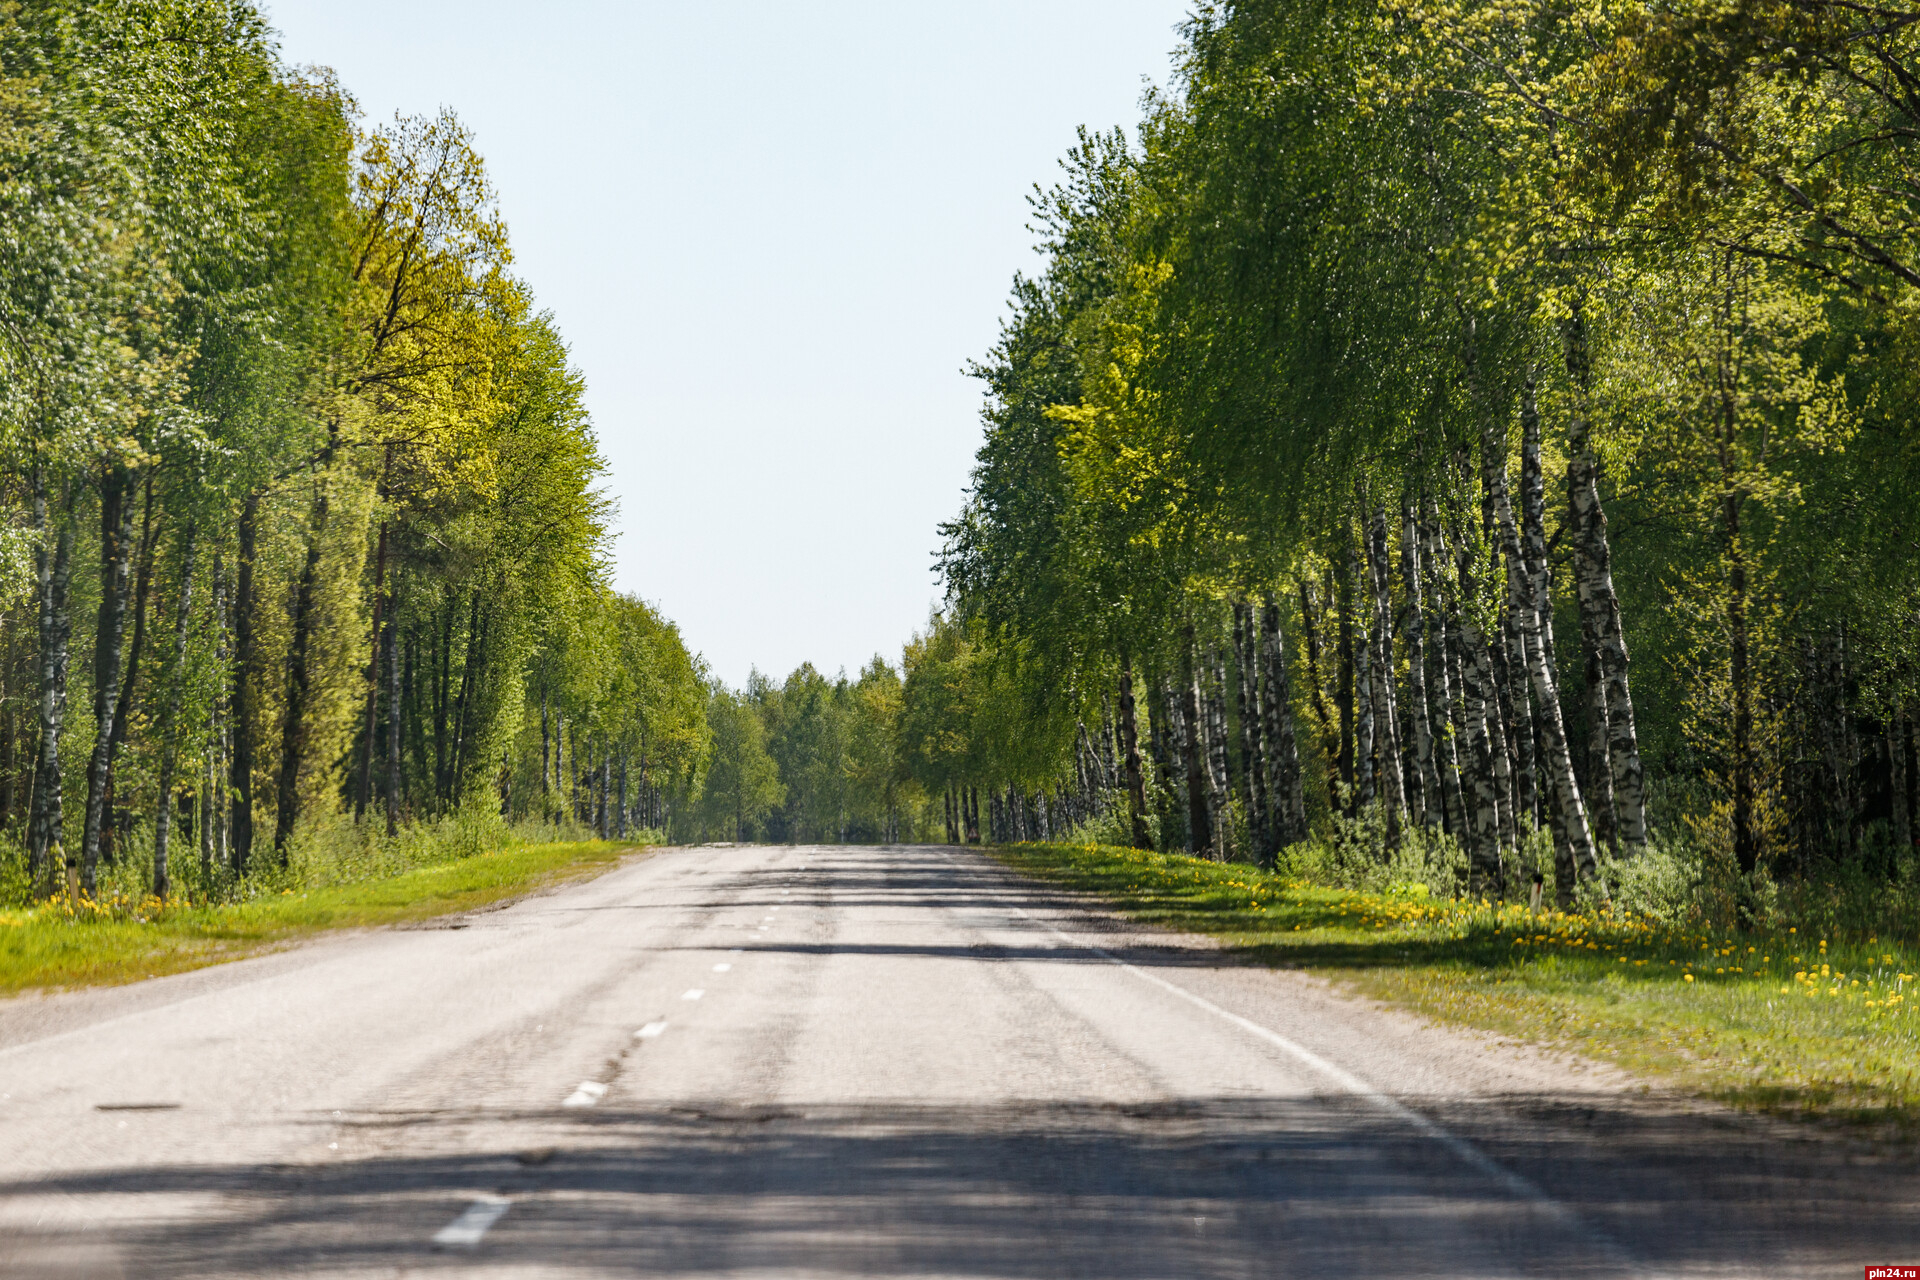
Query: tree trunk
[1746, 841]
[1344, 694]
[620, 813]
[1253, 766]
[363, 794]
[53, 570]
[574, 804]
[7, 727]
[1500, 716]
[463, 721]
[1363, 709]
[130, 680]
[1136, 779]
[396, 717]
[1199, 820]
[1286, 787]
[1449, 687]
[210, 797]
[546, 751]
[116, 562]
[1385, 714]
[1328, 737]
[1593, 569]
[416, 697]
[1219, 775]
[170, 716]
[295, 729]
[1169, 771]
[442, 704]
[245, 660]
[1480, 715]
[1525, 605]
[606, 785]
[1521, 728]
[1432, 806]
[1452, 690]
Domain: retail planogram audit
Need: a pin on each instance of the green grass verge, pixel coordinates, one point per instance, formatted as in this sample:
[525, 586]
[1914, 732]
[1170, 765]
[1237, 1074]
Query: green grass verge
[1774, 1021]
[59, 944]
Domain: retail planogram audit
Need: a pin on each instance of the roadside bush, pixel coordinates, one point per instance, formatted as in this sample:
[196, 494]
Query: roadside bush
[325, 851]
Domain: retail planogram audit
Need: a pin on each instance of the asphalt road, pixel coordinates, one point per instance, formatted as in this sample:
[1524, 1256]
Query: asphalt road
[864, 1062]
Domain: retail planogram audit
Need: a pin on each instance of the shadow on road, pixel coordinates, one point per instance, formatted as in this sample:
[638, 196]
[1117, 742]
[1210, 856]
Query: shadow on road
[1309, 1187]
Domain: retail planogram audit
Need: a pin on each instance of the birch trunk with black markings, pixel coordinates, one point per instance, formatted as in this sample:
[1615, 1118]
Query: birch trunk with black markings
[1363, 710]
[245, 676]
[53, 573]
[1286, 787]
[174, 682]
[1344, 691]
[1199, 817]
[130, 676]
[1219, 776]
[116, 563]
[1526, 603]
[1486, 861]
[1130, 753]
[1323, 715]
[395, 719]
[1386, 714]
[1253, 766]
[1431, 809]
[1593, 570]
[1447, 681]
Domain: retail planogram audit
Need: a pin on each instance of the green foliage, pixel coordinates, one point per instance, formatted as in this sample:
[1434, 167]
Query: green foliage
[743, 783]
[1342, 257]
[368, 550]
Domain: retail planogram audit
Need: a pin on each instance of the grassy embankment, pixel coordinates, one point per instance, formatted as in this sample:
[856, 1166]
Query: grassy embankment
[1779, 1021]
[64, 944]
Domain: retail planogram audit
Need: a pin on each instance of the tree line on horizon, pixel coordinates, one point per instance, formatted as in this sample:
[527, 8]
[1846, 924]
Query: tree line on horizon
[300, 516]
[901, 753]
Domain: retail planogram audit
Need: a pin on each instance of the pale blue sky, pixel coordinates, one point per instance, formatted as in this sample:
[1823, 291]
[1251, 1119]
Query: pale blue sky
[772, 233]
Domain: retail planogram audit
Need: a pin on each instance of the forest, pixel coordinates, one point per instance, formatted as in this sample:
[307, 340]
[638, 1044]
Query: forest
[1467, 444]
[1476, 440]
[303, 545]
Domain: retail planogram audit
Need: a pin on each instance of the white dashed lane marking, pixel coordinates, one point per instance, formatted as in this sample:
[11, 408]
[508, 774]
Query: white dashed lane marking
[589, 1092]
[465, 1231]
[649, 1031]
[722, 968]
[694, 994]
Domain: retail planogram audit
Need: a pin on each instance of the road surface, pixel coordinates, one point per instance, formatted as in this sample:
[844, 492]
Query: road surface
[859, 1062]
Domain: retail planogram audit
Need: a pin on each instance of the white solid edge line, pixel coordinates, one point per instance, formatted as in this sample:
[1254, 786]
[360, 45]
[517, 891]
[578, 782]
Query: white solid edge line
[1462, 1150]
[649, 1031]
[693, 994]
[589, 1092]
[474, 1221]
